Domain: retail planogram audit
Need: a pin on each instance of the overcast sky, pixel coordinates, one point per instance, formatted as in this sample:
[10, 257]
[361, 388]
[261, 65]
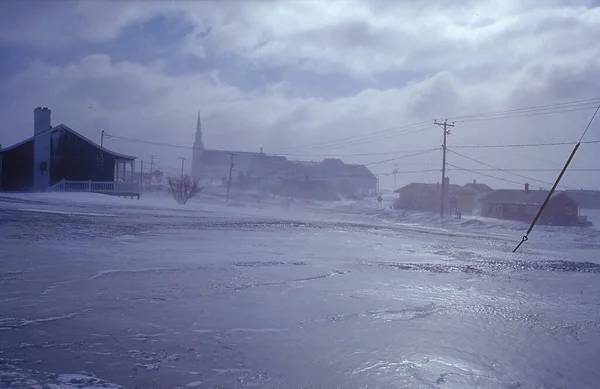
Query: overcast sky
[319, 78]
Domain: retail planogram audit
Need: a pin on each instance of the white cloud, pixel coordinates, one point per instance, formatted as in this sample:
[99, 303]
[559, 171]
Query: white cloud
[472, 57]
[362, 38]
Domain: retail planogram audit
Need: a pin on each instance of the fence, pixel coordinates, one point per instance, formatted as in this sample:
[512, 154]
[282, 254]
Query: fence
[112, 188]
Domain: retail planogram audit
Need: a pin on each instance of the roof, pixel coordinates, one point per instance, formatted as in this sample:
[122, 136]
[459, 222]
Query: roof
[360, 170]
[242, 160]
[519, 196]
[416, 185]
[585, 198]
[269, 164]
[62, 127]
[453, 189]
[478, 187]
[260, 163]
[215, 157]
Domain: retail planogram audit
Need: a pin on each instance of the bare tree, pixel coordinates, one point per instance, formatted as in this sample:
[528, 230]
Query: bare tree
[183, 189]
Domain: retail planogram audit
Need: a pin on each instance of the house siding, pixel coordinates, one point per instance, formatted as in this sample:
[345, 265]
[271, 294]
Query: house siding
[75, 159]
[427, 198]
[560, 210]
[509, 211]
[18, 168]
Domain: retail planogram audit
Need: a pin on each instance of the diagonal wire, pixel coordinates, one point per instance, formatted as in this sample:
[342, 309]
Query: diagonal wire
[589, 124]
[484, 174]
[504, 170]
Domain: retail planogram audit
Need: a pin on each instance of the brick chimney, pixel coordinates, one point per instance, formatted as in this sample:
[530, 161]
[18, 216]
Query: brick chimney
[474, 182]
[41, 120]
[527, 188]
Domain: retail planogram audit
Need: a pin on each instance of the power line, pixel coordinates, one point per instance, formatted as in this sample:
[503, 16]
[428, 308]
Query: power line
[349, 154]
[586, 104]
[363, 141]
[576, 105]
[409, 172]
[589, 123]
[484, 174]
[163, 144]
[526, 156]
[405, 156]
[536, 170]
[523, 145]
[532, 111]
[555, 185]
[502, 170]
[411, 129]
[526, 115]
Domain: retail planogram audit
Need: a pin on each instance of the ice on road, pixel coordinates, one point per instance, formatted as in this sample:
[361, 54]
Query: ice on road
[120, 293]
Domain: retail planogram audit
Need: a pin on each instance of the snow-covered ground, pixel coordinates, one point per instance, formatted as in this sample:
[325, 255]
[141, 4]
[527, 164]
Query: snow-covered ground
[98, 292]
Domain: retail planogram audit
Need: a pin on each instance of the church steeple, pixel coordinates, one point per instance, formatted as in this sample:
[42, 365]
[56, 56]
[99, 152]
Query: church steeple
[198, 150]
[198, 143]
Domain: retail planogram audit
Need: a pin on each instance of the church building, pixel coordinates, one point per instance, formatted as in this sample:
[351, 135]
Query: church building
[329, 178]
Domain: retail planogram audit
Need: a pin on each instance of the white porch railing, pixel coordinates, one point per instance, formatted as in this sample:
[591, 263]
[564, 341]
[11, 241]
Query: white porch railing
[97, 187]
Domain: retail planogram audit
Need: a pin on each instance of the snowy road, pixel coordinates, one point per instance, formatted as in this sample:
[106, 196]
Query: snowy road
[165, 299]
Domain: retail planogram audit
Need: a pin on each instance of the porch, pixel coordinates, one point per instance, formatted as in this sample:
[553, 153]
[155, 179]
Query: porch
[113, 188]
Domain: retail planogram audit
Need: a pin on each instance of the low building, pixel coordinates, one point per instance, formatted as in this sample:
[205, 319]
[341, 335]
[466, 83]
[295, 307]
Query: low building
[327, 179]
[58, 154]
[480, 190]
[524, 204]
[427, 198]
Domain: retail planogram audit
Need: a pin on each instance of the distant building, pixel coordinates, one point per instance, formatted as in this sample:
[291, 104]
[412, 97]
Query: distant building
[481, 190]
[589, 199]
[427, 198]
[323, 180]
[55, 154]
[523, 205]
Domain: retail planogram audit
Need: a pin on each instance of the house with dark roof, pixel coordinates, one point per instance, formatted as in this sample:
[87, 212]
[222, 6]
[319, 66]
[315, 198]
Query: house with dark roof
[58, 154]
[427, 198]
[523, 205]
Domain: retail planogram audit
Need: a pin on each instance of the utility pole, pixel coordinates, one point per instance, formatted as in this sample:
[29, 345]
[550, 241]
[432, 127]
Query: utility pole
[102, 139]
[231, 165]
[293, 181]
[152, 156]
[181, 182]
[444, 126]
[395, 172]
[141, 175]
